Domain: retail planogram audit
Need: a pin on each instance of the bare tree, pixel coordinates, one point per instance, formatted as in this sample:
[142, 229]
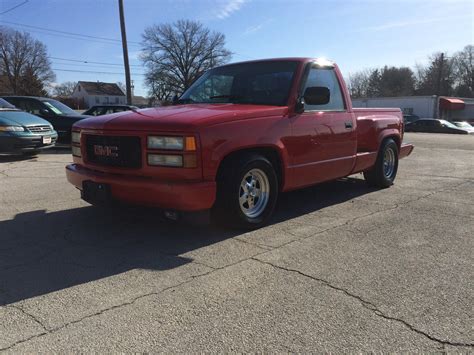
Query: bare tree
[358, 83]
[24, 62]
[387, 81]
[177, 54]
[438, 78]
[464, 72]
[65, 89]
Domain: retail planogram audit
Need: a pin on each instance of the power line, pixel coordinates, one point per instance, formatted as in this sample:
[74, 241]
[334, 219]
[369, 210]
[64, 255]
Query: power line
[76, 38]
[91, 62]
[87, 66]
[63, 33]
[93, 72]
[14, 7]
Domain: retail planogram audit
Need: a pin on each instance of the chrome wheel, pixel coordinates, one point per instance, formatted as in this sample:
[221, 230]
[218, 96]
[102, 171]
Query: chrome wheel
[254, 193]
[389, 163]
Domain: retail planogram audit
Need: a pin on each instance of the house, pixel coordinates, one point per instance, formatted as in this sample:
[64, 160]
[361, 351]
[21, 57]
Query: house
[98, 93]
[140, 101]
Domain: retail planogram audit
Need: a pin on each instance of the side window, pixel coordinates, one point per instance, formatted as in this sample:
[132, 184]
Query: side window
[30, 106]
[14, 102]
[326, 78]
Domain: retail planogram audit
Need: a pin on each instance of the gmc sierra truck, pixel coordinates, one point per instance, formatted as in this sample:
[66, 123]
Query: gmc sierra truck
[239, 136]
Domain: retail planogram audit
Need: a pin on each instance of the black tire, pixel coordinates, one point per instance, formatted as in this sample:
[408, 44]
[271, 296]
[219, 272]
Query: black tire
[380, 175]
[227, 209]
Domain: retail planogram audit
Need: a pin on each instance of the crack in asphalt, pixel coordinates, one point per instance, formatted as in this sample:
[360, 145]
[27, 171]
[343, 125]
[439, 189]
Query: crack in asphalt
[29, 315]
[442, 176]
[350, 220]
[266, 248]
[368, 305]
[98, 313]
[124, 304]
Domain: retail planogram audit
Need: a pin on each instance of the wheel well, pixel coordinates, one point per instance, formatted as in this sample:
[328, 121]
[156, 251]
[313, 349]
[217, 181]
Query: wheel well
[395, 138]
[270, 153]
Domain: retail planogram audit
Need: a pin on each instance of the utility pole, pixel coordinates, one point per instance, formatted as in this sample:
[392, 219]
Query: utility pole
[440, 74]
[125, 54]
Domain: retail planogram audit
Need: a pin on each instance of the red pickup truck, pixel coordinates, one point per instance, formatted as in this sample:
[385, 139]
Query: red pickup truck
[240, 135]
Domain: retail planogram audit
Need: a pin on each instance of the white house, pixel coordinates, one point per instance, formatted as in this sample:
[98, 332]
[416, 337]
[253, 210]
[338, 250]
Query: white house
[98, 93]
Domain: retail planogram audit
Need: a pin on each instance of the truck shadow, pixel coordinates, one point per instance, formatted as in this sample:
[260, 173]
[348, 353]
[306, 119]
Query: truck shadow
[42, 252]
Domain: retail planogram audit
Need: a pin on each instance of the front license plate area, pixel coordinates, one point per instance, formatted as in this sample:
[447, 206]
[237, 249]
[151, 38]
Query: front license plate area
[96, 193]
[46, 139]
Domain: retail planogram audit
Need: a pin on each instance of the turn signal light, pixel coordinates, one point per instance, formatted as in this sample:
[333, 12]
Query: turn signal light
[190, 144]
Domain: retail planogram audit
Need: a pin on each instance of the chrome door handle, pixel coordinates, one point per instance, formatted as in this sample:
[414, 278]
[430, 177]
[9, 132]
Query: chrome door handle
[348, 124]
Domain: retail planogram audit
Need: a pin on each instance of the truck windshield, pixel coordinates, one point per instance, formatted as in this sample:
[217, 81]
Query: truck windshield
[258, 83]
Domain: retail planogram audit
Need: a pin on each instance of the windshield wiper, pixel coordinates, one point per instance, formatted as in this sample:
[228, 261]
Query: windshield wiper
[185, 101]
[226, 97]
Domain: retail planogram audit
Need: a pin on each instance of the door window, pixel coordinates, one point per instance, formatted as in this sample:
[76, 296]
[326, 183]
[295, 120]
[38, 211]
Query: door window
[325, 78]
[31, 106]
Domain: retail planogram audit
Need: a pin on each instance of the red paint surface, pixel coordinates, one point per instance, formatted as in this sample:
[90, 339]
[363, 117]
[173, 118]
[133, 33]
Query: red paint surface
[312, 146]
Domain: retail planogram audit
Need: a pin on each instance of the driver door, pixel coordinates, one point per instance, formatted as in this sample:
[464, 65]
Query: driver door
[324, 136]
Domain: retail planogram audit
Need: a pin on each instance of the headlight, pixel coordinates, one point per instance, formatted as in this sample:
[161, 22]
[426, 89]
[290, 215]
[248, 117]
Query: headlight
[11, 129]
[171, 143]
[165, 160]
[76, 137]
[76, 151]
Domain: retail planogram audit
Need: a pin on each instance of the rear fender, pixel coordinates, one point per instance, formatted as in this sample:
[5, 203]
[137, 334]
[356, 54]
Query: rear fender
[389, 133]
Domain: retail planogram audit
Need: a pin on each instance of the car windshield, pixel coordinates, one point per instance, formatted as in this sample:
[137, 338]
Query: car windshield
[463, 124]
[448, 124]
[259, 83]
[6, 105]
[59, 108]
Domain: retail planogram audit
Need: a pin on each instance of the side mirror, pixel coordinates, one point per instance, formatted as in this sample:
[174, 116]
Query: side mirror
[44, 112]
[175, 99]
[316, 95]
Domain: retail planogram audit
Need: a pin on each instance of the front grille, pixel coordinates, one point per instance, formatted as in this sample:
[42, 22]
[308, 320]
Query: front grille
[40, 129]
[123, 151]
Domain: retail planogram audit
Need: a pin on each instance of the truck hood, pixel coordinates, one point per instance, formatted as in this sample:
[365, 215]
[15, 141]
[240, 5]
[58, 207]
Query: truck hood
[179, 118]
[20, 118]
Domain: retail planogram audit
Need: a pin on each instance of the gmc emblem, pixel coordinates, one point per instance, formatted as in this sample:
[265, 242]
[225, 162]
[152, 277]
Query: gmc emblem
[106, 150]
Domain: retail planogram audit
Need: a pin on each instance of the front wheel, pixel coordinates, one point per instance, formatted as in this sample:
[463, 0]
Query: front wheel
[247, 191]
[384, 171]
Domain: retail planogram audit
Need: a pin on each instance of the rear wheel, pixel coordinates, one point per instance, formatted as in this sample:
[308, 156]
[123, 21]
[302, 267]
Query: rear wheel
[386, 166]
[247, 191]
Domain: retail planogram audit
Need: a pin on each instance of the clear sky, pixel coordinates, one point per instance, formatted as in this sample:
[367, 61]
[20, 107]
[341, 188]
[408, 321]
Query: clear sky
[357, 34]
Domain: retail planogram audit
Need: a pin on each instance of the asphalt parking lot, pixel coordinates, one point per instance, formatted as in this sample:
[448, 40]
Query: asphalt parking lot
[341, 268]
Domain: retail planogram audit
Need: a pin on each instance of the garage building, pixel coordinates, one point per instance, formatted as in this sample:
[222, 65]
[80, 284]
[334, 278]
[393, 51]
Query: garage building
[449, 108]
